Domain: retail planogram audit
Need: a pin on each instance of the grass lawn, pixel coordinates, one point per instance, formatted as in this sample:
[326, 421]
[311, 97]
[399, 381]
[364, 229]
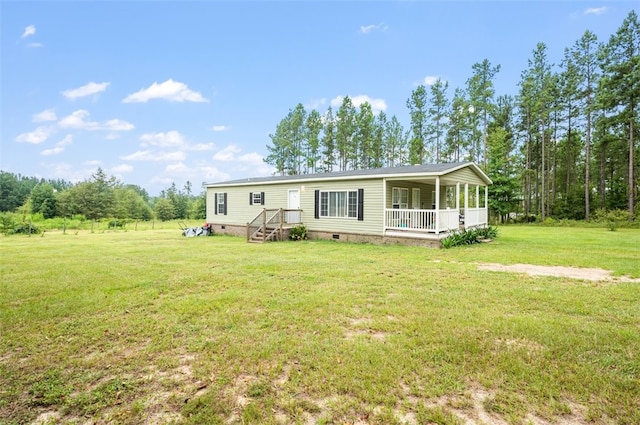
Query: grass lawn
[150, 327]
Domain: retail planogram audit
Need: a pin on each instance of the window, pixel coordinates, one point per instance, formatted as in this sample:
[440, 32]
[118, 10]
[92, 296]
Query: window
[400, 197]
[220, 203]
[256, 198]
[339, 204]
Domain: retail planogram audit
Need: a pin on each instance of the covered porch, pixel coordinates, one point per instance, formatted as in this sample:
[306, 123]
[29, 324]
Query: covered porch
[432, 207]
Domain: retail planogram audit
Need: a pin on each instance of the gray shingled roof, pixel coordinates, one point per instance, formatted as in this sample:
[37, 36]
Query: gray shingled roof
[430, 169]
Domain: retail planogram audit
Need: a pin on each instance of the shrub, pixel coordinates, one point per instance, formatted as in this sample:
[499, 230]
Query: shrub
[26, 228]
[469, 236]
[298, 233]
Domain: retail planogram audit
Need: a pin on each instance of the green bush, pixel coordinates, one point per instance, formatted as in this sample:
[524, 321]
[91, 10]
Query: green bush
[469, 236]
[26, 228]
[298, 233]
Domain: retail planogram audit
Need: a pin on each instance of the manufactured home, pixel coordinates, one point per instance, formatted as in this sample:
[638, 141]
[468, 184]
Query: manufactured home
[415, 205]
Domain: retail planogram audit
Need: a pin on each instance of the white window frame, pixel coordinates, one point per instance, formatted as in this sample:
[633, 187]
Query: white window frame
[220, 204]
[256, 198]
[332, 205]
[398, 195]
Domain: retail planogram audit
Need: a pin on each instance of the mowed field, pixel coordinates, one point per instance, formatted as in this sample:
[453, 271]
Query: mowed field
[149, 327]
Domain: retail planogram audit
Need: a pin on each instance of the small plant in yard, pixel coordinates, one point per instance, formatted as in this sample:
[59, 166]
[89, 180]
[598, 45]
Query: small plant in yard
[469, 236]
[298, 233]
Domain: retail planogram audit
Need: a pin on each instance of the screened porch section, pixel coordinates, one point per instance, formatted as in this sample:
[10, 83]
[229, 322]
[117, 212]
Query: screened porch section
[452, 207]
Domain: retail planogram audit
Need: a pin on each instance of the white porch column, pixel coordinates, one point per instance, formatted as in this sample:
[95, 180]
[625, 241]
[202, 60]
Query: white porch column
[384, 205]
[477, 196]
[437, 204]
[458, 197]
[486, 204]
[486, 197]
[466, 204]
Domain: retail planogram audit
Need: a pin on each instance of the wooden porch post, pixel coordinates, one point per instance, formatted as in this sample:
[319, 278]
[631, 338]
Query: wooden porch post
[437, 204]
[264, 225]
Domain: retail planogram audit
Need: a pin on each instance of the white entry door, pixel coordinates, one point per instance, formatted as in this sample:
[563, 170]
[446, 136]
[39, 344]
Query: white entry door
[293, 204]
[415, 198]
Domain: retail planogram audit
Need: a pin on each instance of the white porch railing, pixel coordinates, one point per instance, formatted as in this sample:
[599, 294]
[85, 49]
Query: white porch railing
[475, 217]
[421, 220]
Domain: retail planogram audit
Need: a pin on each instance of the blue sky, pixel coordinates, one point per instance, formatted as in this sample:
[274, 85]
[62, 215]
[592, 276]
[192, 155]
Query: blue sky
[156, 92]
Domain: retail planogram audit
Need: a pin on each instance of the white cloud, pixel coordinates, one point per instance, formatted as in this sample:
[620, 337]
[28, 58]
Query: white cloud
[220, 128]
[46, 115]
[117, 125]
[35, 45]
[377, 105]
[595, 10]
[36, 136]
[148, 155]
[227, 154]
[59, 147]
[170, 138]
[122, 168]
[198, 171]
[29, 31]
[78, 120]
[212, 173]
[430, 80]
[202, 147]
[53, 151]
[68, 172]
[251, 162]
[86, 90]
[366, 29]
[173, 91]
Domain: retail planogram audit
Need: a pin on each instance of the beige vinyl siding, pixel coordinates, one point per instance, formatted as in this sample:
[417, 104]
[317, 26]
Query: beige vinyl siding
[373, 208]
[239, 211]
[465, 175]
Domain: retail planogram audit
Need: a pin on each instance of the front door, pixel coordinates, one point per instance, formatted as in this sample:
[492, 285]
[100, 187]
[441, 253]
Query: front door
[415, 198]
[293, 204]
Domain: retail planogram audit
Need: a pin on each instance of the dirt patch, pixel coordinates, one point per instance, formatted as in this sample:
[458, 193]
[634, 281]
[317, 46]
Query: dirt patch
[591, 274]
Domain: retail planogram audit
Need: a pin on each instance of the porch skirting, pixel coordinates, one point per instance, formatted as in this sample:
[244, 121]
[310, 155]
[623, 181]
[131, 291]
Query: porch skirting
[390, 238]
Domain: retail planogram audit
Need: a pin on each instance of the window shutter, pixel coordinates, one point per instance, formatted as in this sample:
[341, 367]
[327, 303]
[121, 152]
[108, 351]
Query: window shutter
[250, 198]
[262, 197]
[360, 204]
[215, 203]
[225, 203]
[316, 205]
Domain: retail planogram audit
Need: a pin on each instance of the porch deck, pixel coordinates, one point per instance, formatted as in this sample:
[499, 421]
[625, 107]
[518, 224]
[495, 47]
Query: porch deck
[431, 224]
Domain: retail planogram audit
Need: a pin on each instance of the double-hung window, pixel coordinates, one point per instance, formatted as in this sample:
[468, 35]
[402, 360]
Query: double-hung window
[220, 203]
[256, 198]
[339, 204]
[400, 198]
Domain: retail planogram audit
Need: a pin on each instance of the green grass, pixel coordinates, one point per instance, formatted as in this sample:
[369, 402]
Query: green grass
[150, 327]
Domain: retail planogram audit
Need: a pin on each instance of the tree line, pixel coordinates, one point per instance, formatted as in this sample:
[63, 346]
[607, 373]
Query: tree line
[561, 147]
[99, 197]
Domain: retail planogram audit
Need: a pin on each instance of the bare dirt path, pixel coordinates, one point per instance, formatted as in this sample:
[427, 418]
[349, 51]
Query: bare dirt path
[592, 274]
